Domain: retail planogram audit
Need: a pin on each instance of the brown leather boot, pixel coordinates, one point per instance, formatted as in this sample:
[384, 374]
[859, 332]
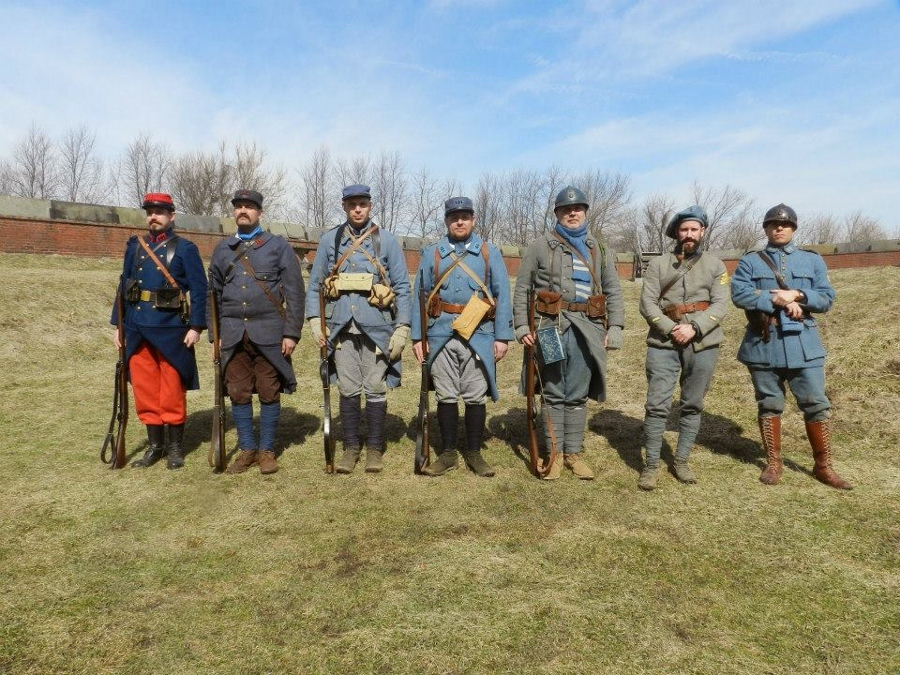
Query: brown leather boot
[770, 430]
[244, 461]
[819, 434]
[267, 462]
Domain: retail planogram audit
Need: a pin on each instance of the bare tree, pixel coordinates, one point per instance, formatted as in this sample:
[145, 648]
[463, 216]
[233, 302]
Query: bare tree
[554, 181]
[488, 201]
[315, 178]
[81, 173]
[655, 214]
[143, 168]
[609, 194]
[424, 203]
[6, 187]
[33, 171]
[201, 182]
[389, 184]
[249, 171]
[863, 229]
[724, 207]
[524, 197]
[352, 172]
[820, 228]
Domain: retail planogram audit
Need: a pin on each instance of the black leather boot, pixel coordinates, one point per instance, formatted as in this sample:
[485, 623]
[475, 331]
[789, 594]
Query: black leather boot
[156, 435]
[448, 423]
[175, 458]
[476, 416]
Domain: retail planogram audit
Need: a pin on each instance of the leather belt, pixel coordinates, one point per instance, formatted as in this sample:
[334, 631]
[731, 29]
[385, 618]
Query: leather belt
[701, 306]
[575, 306]
[450, 308]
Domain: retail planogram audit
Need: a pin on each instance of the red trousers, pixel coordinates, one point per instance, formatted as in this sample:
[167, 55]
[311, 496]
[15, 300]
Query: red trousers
[159, 395]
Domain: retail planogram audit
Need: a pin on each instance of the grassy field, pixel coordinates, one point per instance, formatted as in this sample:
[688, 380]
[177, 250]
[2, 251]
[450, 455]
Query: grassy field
[154, 571]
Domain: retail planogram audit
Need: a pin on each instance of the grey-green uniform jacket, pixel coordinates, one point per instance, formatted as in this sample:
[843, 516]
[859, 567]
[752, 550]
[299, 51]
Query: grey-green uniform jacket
[705, 281]
[547, 253]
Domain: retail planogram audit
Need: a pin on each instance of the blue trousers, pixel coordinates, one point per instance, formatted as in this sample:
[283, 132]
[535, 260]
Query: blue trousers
[807, 385]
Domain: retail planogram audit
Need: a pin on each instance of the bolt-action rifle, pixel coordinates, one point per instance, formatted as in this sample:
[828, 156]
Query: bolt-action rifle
[115, 435]
[531, 419]
[324, 373]
[217, 453]
[423, 450]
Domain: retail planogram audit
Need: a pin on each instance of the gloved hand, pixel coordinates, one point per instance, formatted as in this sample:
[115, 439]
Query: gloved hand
[313, 325]
[398, 342]
[614, 337]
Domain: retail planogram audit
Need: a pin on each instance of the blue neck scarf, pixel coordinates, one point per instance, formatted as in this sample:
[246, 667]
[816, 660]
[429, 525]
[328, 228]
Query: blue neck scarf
[577, 239]
[250, 235]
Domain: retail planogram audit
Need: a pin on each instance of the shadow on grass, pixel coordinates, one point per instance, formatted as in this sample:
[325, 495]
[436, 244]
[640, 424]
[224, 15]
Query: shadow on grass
[623, 433]
[293, 428]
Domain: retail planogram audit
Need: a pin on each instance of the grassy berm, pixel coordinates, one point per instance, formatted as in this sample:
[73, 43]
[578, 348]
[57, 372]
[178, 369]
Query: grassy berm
[156, 571]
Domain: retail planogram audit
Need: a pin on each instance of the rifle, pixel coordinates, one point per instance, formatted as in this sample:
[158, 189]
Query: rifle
[217, 453]
[530, 412]
[118, 423]
[326, 387]
[423, 450]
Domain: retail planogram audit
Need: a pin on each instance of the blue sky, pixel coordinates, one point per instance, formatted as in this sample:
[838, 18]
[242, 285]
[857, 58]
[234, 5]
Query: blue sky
[789, 101]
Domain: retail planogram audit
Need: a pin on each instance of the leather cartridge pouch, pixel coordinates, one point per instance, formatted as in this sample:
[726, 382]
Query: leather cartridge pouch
[466, 323]
[382, 296]
[354, 281]
[673, 313]
[132, 290]
[548, 302]
[759, 323]
[596, 306]
[550, 342]
[434, 306]
[168, 298]
[329, 285]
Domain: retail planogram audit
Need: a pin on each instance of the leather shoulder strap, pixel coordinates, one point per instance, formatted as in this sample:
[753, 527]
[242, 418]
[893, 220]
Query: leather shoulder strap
[158, 263]
[779, 277]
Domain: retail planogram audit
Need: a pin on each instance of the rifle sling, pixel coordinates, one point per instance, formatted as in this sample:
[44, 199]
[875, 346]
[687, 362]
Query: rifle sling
[779, 277]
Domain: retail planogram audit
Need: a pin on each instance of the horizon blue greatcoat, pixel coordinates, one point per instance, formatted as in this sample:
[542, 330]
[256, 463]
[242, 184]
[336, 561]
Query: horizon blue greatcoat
[750, 286]
[163, 328]
[244, 306]
[457, 289]
[378, 325]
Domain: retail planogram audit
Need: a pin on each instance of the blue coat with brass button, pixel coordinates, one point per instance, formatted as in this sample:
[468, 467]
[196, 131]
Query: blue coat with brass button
[163, 328]
[377, 324]
[750, 286]
[457, 289]
[244, 305]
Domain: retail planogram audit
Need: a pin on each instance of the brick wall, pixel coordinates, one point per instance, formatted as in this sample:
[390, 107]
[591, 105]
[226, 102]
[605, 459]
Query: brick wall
[96, 240]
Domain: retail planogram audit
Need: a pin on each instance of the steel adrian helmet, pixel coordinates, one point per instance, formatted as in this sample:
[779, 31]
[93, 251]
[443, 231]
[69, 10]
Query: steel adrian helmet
[571, 195]
[690, 213]
[780, 214]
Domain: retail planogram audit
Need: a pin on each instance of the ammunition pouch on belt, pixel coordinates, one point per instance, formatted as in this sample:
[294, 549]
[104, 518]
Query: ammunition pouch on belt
[759, 322]
[548, 302]
[329, 284]
[436, 307]
[167, 298]
[132, 290]
[596, 307]
[677, 312]
[382, 296]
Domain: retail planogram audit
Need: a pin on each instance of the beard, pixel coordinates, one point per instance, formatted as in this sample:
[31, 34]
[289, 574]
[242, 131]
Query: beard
[689, 247]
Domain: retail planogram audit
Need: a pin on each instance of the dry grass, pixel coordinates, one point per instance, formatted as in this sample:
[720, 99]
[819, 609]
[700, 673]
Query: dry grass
[187, 572]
